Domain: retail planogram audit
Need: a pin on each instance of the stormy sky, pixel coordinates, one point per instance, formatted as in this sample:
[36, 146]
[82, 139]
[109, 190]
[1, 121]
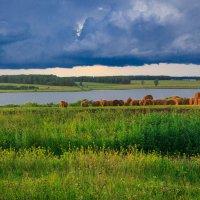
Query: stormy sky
[36, 34]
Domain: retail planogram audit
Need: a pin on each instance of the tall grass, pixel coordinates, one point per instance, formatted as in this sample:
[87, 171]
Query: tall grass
[58, 130]
[50, 153]
[86, 174]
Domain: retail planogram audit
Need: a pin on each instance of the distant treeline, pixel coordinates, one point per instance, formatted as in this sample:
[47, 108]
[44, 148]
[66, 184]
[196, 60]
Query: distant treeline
[127, 79]
[62, 81]
[118, 79]
[164, 77]
[38, 79]
[104, 79]
[13, 87]
[186, 78]
[71, 81]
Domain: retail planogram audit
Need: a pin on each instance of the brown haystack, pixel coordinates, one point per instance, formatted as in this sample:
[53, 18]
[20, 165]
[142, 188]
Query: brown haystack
[191, 101]
[197, 101]
[148, 102]
[141, 102]
[118, 102]
[196, 98]
[96, 103]
[147, 97]
[85, 103]
[175, 97]
[156, 102]
[121, 102]
[63, 104]
[127, 102]
[159, 102]
[170, 102]
[197, 95]
[103, 103]
[178, 101]
[182, 101]
[135, 103]
[185, 101]
[164, 101]
[110, 103]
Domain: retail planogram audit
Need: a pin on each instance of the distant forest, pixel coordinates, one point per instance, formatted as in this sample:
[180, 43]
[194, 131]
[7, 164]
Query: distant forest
[38, 79]
[127, 79]
[104, 79]
[13, 87]
[71, 81]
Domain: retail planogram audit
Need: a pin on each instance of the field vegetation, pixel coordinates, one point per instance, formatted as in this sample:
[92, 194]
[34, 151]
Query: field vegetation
[61, 129]
[86, 86]
[146, 84]
[99, 153]
[87, 174]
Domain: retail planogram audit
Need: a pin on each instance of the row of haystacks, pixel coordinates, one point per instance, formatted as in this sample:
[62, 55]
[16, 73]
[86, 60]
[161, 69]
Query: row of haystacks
[145, 101]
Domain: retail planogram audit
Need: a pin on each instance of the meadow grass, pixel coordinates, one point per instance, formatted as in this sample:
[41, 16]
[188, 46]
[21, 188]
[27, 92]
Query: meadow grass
[57, 129]
[84, 153]
[89, 174]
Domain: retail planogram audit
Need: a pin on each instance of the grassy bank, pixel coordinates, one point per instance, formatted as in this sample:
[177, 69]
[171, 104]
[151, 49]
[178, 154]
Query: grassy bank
[38, 174]
[86, 86]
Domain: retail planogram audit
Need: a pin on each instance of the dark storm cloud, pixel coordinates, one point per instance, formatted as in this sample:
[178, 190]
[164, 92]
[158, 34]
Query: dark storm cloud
[10, 32]
[65, 33]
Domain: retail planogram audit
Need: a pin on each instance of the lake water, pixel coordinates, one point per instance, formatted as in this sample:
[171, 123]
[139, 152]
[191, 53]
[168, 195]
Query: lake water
[55, 97]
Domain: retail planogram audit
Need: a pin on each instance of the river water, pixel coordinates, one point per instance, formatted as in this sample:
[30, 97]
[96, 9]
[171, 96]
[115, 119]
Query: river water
[55, 97]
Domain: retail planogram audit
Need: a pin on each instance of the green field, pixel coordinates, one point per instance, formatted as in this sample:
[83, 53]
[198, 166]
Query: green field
[149, 84]
[93, 153]
[42, 88]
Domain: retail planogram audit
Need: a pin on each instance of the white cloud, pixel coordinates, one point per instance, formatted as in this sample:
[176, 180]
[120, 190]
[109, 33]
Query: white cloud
[161, 12]
[90, 43]
[100, 8]
[186, 43]
[99, 70]
[79, 28]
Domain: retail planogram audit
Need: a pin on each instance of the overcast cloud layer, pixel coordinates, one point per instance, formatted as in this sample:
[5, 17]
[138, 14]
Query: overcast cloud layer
[67, 33]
